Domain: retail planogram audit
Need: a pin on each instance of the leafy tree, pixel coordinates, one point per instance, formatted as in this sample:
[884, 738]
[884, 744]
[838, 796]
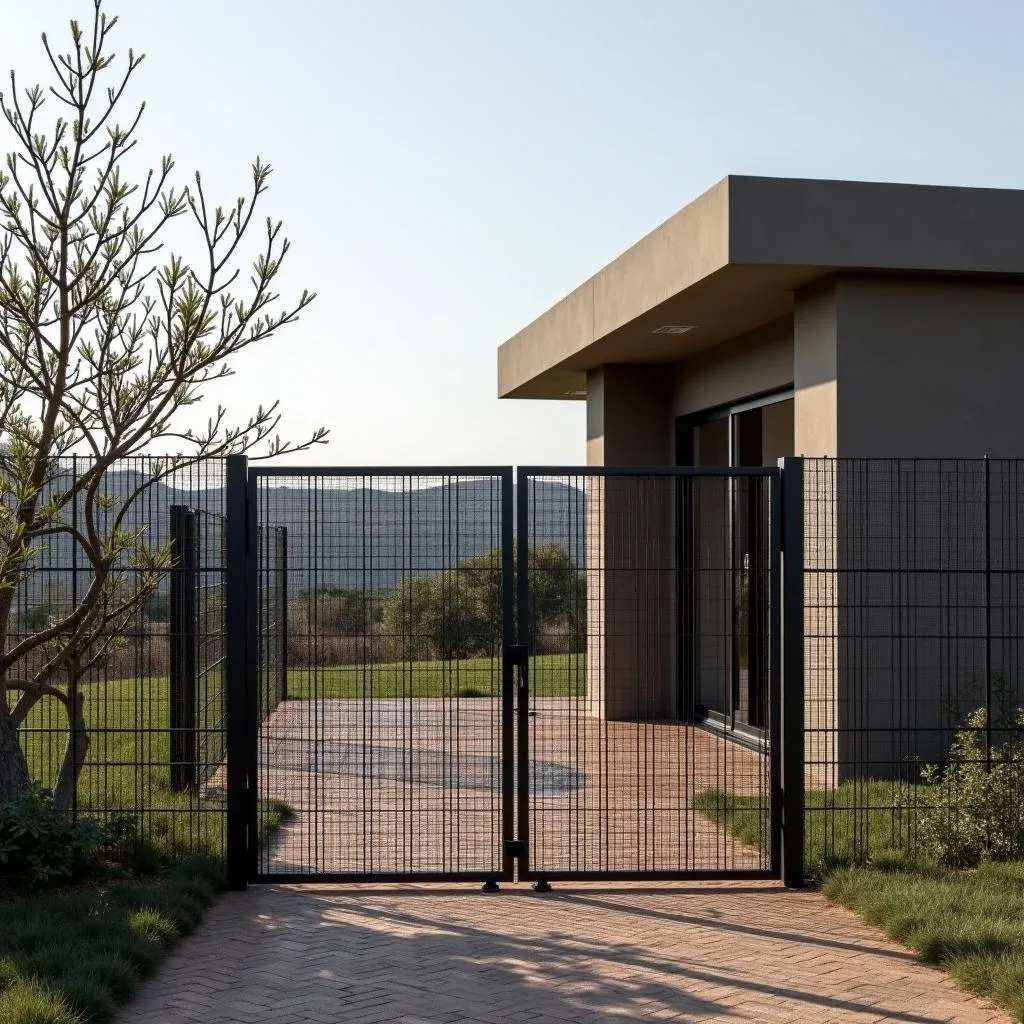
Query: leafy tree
[558, 590]
[432, 616]
[335, 611]
[104, 340]
[456, 613]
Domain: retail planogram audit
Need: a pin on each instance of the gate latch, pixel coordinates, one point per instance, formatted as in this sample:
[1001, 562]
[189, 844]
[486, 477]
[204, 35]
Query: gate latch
[515, 655]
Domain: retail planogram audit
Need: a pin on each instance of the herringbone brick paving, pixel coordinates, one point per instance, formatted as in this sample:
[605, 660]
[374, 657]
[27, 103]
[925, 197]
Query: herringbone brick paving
[369, 954]
[403, 786]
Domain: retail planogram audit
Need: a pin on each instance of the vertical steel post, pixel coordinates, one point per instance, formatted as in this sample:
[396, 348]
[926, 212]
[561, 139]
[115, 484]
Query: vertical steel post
[236, 656]
[523, 674]
[793, 672]
[184, 647]
[774, 675]
[508, 675]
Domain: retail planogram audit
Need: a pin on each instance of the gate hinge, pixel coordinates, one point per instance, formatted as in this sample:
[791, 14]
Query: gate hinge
[515, 848]
[516, 655]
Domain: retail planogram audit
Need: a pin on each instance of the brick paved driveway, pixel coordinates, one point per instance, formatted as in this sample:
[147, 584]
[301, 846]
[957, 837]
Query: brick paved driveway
[430, 954]
[402, 786]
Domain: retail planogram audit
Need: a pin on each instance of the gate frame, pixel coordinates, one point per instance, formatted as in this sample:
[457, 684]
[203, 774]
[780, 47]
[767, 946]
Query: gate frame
[774, 737]
[242, 669]
[785, 658]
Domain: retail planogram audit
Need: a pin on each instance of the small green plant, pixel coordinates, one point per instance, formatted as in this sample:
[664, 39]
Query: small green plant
[41, 846]
[974, 805]
[472, 691]
[67, 957]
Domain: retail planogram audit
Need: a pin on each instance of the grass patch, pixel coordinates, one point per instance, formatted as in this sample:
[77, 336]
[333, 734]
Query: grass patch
[128, 769]
[857, 822]
[551, 675]
[72, 958]
[969, 923]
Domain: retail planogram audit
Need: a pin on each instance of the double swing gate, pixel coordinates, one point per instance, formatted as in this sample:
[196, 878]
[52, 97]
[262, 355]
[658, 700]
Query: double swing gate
[470, 674]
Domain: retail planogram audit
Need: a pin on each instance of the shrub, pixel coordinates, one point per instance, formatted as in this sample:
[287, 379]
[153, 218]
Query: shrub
[40, 845]
[974, 806]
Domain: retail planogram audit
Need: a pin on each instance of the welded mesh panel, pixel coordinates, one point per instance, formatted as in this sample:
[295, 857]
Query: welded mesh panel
[272, 613]
[914, 580]
[649, 672]
[387, 745]
[210, 638]
[116, 687]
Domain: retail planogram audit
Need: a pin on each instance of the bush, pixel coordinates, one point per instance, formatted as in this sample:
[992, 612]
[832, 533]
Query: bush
[457, 613]
[41, 846]
[71, 957]
[974, 807]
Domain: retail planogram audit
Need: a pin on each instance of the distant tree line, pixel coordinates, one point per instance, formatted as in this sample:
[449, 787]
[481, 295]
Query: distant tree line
[451, 613]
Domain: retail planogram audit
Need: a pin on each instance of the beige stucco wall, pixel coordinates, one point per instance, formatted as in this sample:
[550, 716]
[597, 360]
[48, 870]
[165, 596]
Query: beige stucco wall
[630, 671]
[930, 369]
[751, 364]
[884, 368]
[880, 366]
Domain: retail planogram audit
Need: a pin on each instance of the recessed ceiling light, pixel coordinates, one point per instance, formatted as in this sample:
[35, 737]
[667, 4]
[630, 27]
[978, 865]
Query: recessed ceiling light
[670, 329]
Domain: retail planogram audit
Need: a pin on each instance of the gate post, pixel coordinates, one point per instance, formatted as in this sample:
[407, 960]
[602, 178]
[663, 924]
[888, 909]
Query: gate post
[793, 672]
[524, 642]
[236, 656]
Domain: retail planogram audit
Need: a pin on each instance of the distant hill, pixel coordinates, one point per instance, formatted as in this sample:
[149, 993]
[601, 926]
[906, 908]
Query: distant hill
[366, 537]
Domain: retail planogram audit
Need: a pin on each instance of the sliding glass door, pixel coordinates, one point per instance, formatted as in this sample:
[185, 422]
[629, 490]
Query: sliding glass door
[724, 551]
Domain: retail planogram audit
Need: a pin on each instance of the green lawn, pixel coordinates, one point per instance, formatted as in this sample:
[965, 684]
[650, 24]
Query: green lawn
[551, 675]
[73, 957]
[844, 826]
[970, 923]
[127, 769]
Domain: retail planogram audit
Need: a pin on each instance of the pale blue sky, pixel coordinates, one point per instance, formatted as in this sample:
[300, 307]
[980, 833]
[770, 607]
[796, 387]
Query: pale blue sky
[447, 169]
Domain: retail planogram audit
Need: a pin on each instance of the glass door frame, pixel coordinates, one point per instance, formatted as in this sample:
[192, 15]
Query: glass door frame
[724, 721]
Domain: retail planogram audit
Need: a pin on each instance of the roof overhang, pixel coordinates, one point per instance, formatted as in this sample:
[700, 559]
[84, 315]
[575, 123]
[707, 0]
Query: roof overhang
[733, 258]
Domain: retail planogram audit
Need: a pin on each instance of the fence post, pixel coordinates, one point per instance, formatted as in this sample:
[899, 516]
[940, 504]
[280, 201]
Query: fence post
[793, 672]
[236, 656]
[184, 646]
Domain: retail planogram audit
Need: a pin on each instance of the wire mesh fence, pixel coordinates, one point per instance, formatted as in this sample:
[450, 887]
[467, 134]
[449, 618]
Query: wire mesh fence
[385, 712]
[198, 726]
[913, 616]
[90, 694]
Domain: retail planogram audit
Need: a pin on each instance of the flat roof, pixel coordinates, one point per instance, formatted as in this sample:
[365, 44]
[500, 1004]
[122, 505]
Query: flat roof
[732, 259]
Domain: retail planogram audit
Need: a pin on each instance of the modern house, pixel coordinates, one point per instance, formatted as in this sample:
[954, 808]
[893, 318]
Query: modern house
[774, 317]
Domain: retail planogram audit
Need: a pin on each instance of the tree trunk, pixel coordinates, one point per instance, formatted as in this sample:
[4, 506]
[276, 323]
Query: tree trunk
[74, 753]
[13, 766]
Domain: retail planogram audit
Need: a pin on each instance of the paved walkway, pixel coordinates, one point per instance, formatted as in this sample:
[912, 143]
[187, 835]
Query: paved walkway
[584, 953]
[414, 786]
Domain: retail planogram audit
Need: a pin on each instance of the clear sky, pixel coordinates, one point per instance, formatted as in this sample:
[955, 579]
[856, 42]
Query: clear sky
[447, 169]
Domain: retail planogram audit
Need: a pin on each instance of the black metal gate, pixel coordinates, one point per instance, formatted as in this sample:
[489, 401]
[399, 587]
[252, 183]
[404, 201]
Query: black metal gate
[393, 747]
[648, 699]
[383, 694]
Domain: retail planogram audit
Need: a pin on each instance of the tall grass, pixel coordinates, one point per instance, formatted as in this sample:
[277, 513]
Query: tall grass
[71, 958]
[854, 823]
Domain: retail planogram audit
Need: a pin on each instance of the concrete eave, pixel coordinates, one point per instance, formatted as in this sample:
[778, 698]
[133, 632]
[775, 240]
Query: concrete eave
[732, 259]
